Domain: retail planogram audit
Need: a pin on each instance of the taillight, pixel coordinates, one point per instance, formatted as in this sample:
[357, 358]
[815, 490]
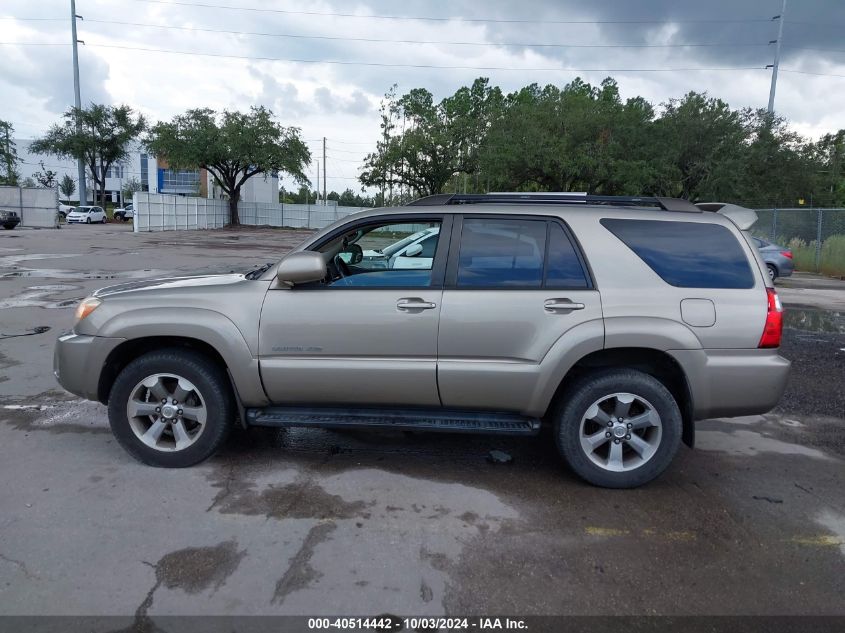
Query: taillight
[786, 254]
[773, 330]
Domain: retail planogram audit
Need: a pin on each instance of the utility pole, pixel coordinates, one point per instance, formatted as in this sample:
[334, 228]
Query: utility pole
[318, 182]
[780, 18]
[80, 164]
[325, 200]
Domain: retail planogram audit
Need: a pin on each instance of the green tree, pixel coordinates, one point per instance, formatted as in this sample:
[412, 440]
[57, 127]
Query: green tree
[8, 155]
[99, 135]
[67, 186]
[129, 188]
[424, 144]
[232, 146]
[577, 138]
[46, 177]
[28, 183]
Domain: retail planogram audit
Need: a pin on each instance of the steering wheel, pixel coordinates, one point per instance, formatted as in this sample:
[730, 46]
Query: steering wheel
[341, 267]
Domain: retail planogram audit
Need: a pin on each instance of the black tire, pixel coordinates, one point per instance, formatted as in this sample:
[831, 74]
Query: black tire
[773, 271]
[578, 398]
[9, 227]
[211, 382]
[87, 220]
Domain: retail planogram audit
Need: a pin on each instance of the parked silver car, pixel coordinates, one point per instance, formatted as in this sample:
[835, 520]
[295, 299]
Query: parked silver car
[618, 322]
[778, 259]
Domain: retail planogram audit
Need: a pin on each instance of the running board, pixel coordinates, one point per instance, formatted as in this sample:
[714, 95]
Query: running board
[404, 419]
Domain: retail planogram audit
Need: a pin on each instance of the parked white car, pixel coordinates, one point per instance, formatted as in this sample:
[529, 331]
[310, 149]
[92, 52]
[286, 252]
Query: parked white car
[86, 215]
[414, 251]
[64, 209]
[125, 213]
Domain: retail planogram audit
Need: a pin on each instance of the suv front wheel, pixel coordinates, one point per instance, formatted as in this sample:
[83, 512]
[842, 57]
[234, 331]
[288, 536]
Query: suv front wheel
[618, 428]
[171, 408]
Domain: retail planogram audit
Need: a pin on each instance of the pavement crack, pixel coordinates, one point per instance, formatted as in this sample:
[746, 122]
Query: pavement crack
[227, 489]
[20, 565]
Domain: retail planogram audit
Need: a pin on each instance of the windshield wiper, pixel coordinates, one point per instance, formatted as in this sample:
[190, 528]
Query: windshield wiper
[255, 274]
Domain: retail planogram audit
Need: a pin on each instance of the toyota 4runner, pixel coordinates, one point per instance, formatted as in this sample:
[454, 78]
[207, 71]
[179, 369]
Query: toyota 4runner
[619, 322]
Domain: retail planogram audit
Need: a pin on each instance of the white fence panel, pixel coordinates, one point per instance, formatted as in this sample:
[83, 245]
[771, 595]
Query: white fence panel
[37, 207]
[163, 212]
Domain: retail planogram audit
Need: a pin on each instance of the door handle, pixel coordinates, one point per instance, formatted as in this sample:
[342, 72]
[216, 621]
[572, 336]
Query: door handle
[561, 305]
[414, 303]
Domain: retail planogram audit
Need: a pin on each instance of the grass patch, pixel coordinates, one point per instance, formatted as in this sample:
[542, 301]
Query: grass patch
[832, 260]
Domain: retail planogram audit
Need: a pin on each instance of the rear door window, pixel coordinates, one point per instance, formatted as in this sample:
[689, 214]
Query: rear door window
[518, 253]
[502, 253]
[686, 254]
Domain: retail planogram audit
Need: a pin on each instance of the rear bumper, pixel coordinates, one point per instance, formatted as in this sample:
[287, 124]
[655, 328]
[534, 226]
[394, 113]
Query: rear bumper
[78, 361]
[733, 382]
[785, 267]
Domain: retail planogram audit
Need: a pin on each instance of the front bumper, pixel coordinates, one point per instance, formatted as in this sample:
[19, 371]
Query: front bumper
[78, 360]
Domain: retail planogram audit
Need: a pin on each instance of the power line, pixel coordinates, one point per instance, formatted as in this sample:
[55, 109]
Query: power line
[807, 72]
[12, 17]
[404, 41]
[443, 19]
[399, 65]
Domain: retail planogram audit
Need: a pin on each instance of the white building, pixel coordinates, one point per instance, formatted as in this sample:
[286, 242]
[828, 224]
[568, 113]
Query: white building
[152, 175]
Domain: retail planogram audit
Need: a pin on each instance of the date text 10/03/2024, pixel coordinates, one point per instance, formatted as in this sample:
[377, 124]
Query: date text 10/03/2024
[394, 623]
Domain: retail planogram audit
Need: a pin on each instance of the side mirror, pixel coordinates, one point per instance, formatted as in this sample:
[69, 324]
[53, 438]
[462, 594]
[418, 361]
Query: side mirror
[301, 268]
[413, 250]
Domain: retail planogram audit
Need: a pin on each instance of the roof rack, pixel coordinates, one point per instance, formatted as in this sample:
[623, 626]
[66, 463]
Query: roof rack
[665, 204]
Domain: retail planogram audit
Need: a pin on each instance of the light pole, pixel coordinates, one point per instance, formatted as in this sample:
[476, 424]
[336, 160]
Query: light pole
[780, 18]
[80, 164]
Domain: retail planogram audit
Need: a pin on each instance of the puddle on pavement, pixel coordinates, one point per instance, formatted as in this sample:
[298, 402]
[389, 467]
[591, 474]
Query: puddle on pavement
[57, 273]
[38, 297]
[9, 261]
[811, 320]
[750, 443]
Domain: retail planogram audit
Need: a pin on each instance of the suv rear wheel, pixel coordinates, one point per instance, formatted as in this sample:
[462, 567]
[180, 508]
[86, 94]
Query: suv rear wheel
[618, 428]
[171, 408]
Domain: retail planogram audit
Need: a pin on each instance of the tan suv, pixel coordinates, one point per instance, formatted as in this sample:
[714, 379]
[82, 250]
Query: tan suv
[619, 321]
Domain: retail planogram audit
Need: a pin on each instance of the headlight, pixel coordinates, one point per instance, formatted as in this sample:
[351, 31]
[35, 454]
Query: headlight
[86, 307]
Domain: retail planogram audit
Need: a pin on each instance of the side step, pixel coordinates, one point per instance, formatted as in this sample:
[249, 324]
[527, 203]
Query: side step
[404, 419]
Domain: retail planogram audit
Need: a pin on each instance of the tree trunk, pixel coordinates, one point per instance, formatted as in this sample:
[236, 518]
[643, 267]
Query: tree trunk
[234, 198]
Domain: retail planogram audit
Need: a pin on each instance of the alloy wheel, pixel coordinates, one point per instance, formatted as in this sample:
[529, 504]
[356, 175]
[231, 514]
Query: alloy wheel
[620, 432]
[166, 412]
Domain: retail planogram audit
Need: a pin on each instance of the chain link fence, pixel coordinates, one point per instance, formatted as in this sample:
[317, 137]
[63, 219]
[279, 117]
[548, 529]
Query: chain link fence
[815, 236]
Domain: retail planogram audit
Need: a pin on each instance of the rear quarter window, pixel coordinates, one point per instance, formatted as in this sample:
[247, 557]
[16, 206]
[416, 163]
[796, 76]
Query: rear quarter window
[686, 254]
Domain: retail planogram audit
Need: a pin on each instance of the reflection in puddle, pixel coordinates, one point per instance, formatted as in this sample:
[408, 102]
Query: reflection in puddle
[744, 442]
[55, 273]
[814, 320]
[38, 297]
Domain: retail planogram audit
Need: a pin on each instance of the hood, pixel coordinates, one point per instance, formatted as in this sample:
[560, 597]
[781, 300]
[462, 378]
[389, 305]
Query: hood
[170, 283]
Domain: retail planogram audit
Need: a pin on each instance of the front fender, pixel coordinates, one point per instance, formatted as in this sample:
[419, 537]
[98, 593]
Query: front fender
[208, 326]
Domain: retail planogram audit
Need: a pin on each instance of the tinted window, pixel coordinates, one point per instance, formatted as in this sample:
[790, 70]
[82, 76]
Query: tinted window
[563, 268]
[501, 253]
[686, 254]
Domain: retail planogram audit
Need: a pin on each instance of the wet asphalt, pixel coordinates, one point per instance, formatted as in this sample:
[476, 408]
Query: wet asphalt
[751, 522]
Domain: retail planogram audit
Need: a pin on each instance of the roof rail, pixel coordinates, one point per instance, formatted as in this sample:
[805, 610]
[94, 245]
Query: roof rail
[666, 204]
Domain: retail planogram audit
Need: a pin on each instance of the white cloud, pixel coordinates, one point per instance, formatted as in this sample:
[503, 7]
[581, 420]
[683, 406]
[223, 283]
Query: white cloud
[340, 102]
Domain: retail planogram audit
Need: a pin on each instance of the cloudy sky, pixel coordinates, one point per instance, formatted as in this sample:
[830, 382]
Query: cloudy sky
[164, 56]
